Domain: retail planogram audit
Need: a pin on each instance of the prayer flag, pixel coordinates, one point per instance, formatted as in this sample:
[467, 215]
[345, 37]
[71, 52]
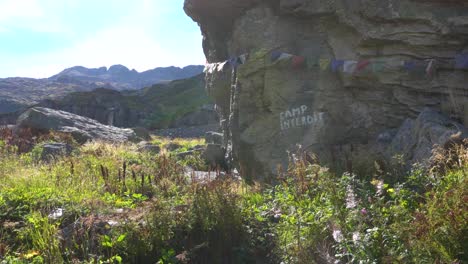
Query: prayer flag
[324, 64]
[285, 56]
[461, 61]
[336, 64]
[430, 67]
[409, 65]
[275, 55]
[378, 66]
[362, 65]
[349, 66]
[298, 62]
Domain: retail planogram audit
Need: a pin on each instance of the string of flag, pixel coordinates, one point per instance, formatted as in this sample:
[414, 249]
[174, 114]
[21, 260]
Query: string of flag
[349, 66]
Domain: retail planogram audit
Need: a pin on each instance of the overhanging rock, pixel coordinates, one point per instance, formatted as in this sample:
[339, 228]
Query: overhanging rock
[330, 76]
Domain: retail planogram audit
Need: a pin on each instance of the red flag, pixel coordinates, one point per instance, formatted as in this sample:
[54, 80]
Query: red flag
[362, 65]
[298, 62]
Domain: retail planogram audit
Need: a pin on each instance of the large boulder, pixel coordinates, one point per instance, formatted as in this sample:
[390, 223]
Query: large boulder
[268, 108]
[416, 138]
[81, 128]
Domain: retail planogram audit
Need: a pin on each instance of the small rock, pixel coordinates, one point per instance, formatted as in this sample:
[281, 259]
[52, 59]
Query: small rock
[54, 150]
[56, 214]
[185, 154]
[212, 137]
[173, 146]
[142, 133]
[145, 146]
[214, 155]
[197, 148]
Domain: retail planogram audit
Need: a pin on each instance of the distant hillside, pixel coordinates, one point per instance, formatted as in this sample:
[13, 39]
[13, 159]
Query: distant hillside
[121, 78]
[18, 93]
[175, 104]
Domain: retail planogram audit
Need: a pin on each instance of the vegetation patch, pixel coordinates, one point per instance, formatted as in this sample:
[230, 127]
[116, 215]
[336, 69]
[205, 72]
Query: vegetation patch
[112, 204]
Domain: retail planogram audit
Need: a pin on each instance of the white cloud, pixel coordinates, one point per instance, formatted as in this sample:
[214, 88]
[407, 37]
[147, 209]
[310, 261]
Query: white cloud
[132, 41]
[34, 15]
[13, 9]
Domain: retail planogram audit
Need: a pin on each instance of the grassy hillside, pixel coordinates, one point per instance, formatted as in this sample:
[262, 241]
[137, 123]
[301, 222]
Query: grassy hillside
[158, 106]
[170, 102]
[111, 204]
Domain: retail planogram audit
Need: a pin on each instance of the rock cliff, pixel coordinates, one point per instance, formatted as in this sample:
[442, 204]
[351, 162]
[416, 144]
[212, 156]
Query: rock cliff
[340, 78]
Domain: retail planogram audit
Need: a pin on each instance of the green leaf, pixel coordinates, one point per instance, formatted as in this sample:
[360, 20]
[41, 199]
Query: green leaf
[121, 238]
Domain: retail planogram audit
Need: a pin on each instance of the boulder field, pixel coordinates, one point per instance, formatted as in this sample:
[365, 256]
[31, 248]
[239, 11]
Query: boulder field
[344, 79]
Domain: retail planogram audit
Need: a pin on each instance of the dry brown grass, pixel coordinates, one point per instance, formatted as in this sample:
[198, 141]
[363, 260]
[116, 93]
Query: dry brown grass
[453, 155]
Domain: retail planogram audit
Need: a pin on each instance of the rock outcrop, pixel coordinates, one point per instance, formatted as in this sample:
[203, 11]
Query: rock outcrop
[406, 51]
[81, 128]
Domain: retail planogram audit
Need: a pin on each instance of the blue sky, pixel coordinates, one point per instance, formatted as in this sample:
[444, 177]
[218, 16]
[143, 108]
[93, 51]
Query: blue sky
[39, 38]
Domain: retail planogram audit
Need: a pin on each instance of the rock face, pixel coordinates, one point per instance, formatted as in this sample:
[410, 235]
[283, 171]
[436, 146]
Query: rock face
[268, 107]
[81, 128]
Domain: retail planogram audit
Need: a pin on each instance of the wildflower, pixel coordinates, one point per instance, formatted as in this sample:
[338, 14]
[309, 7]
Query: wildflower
[379, 185]
[337, 235]
[356, 237]
[277, 214]
[364, 211]
[350, 198]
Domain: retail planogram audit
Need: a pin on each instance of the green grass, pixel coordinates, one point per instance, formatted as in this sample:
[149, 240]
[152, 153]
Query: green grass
[122, 206]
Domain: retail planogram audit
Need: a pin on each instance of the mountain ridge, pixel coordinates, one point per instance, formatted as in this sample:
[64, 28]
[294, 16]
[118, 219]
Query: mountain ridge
[17, 93]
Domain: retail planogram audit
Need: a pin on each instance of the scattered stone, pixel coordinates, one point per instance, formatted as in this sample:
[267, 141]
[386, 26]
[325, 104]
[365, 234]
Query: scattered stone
[52, 151]
[214, 156]
[186, 132]
[185, 154]
[212, 137]
[173, 146]
[197, 148]
[142, 133]
[145, 146]
[416, 138]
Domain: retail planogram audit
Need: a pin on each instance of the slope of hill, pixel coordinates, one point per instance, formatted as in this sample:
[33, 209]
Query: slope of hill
[123, 78]
[18, 93]
[178, 103]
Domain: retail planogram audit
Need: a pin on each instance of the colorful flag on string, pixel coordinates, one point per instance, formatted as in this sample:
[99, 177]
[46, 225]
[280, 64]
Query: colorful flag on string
[336, 65]
[409, 65]
[324, 64]
[378, 66]
[285, 56]
[298, 62]
[430, 67]
[275, 55]
[362, 65]
[461, 61]
[349, 66]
